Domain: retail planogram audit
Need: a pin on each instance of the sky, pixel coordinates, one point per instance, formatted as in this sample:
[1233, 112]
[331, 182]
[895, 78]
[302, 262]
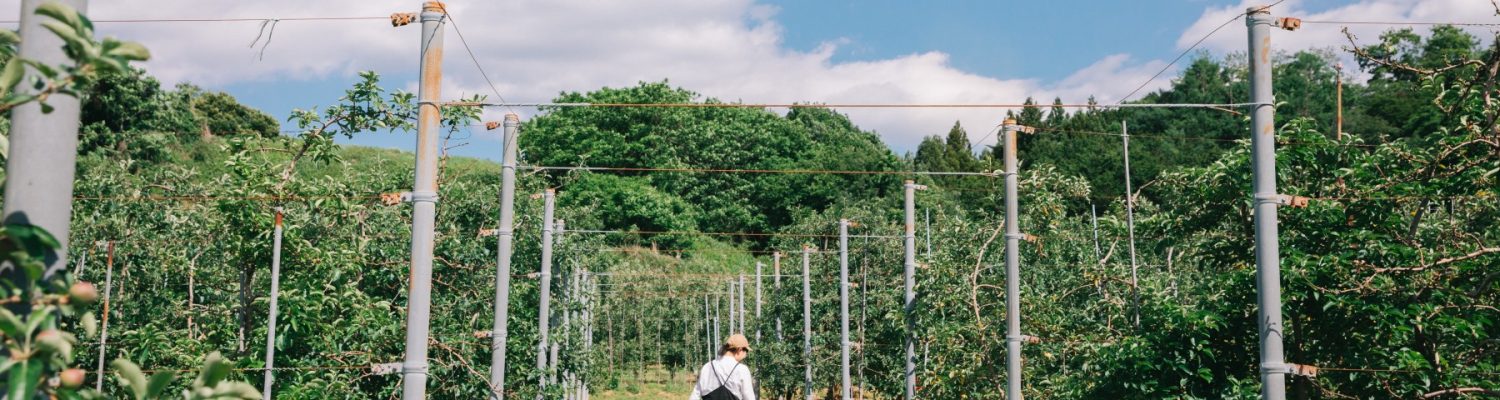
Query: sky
[757, 51]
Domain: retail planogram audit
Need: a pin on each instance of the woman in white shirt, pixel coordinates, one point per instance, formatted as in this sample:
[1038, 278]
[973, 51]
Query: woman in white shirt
[725, 378]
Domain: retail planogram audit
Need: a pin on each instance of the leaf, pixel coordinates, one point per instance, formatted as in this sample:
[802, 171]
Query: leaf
[90, 323]
[8, 37]
[24, 378]
[11, 75]
[158, 384]
[11, 325]
[130, 375]
[65, 32]
[130, 51]
[215, 369]
[61, 12]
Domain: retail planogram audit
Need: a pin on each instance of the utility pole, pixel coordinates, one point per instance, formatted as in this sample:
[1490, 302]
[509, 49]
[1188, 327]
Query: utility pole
[708, 334]
[43, 146]
[1273, 366]
[1135, 292]
[807, 323]
[1013, 238]
[544, 307]
[424, 199]
[109, 280]
[506, 245]
[844, 305]
[275, 295]
[911, 283]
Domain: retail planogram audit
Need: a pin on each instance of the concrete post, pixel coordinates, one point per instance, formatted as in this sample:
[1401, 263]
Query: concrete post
[1094, 219]
[733, 310]
[844, 306]
[910, 244]
[424, 199]
[1135, 290]
[741, 297]
[1273, 367]
[544, 304]
[505, 247]
[1013, 238]
[758, 276]
[43, 146]
[807, 323]
[275, 297]
[776, 269]
[109, 283]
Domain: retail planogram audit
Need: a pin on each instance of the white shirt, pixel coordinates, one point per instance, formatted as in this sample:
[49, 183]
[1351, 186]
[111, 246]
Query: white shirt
[738, 381]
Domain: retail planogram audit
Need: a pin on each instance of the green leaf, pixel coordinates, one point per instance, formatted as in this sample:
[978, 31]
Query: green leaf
[131, 51]
[158, 384]
[64, 31]
[12, 74]
[131, 376]
[61, 12]
[8, 36]
[11, 325]
[215, 369]
[24, 377]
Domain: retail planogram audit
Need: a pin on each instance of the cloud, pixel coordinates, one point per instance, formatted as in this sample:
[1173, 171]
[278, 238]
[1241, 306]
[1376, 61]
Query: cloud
[534, 49]
[1328, 35]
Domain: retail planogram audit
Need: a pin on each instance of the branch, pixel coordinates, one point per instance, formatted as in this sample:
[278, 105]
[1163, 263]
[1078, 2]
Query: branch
[1442, 262]
[974, 277]
[1445, 392]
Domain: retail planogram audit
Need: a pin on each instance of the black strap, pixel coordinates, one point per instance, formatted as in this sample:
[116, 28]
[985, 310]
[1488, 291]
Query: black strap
[715, 372]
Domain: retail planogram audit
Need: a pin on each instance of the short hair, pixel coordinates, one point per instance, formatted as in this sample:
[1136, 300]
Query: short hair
[726, 348]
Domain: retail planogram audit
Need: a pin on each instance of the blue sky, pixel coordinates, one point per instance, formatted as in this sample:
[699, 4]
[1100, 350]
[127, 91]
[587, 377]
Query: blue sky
[751, 50]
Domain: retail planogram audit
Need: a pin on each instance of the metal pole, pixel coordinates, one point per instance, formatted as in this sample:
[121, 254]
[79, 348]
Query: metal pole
[928, 232]
[544, 312]
[758, 277]
[708, 334]
[275, 295]
[1013, 237]
[424, 199]
[741, 298]
[506, 247]
[1135, 292]
[552, 348]
[1338, 125]
[1273, 367]
[1094, 219]
[109, 281]
[43, 145]
[844, 305]
[776, 269]
[733, 309]
[911, 284]
[807, 322]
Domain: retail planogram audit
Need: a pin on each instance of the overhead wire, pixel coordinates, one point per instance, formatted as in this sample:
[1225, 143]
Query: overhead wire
[150, 20]
[477, 64]
[1185, 52]
[843, 105]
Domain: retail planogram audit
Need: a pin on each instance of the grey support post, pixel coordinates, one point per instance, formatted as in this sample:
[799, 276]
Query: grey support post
[424, 199]
[911, 293]
[506, 235]
[1273, 366]
[549, 198]
[275, 295]
[807, 322]
[1013, 336]
[844, 306]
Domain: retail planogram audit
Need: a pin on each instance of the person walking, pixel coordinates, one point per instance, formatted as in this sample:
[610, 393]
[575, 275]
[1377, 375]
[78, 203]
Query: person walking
[726, 378]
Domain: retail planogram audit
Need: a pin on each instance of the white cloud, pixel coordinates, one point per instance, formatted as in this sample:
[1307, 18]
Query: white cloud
[1327, 35]
[533, 49]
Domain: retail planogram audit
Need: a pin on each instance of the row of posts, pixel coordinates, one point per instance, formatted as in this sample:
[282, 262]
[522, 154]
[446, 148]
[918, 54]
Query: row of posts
[44, 148]
[1273, 368]
[424, 198]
